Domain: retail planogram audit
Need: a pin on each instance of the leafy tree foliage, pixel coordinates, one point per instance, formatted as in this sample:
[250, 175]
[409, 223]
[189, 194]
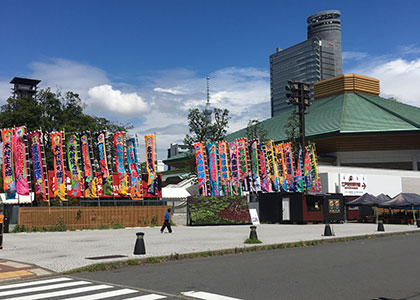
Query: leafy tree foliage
[202, 130]
[255, 130]
[51, 111]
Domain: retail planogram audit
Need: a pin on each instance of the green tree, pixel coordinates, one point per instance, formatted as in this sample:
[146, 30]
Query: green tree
[53, 112]
[202, 130]
[255, 130]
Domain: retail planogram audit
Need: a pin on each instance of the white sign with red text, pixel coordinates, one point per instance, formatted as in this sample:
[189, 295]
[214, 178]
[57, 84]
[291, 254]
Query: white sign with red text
[352, 184]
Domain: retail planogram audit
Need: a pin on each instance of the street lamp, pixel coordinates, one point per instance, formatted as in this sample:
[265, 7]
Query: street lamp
[298, 93]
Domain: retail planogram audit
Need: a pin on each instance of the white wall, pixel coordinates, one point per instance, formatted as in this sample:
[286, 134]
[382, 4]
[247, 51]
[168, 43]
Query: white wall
[391, 182]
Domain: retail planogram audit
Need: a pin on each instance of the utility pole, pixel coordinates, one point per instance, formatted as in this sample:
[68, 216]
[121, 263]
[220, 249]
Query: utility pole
[298, 94]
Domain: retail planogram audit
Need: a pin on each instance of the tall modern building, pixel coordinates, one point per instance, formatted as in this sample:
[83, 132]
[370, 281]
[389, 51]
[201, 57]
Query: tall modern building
[317, 58]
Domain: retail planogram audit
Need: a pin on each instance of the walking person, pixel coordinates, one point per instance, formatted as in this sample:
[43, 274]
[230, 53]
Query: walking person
[166, 222]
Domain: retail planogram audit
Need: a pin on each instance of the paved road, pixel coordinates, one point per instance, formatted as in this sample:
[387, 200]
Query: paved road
[378, 268]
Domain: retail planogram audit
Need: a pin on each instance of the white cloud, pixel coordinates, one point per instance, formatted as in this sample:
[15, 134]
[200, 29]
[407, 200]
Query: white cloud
[68, 75]
[169, 91]
[353, 55]
[104, 98]
[399, 78]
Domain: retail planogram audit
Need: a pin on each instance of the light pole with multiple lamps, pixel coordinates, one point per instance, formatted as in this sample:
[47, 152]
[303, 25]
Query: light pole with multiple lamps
[298, 93]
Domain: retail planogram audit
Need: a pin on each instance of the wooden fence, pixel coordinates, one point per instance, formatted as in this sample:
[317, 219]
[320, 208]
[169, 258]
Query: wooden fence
[78, 217]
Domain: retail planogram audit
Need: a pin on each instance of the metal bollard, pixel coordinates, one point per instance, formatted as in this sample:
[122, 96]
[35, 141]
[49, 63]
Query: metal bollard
[253, 233]
[139, 247]
[327, 230]
[381, 226]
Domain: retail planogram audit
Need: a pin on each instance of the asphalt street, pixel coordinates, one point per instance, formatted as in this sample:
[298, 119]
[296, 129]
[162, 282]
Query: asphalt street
[377, 268]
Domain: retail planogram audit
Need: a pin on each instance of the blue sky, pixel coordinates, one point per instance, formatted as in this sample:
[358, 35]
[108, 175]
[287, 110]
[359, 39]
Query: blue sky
[145, 62]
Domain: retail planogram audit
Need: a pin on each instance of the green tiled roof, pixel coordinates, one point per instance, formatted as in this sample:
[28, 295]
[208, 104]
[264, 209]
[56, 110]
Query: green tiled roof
[346, 113]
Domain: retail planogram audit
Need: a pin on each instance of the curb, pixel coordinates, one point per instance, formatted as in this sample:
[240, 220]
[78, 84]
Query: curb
[246, 249]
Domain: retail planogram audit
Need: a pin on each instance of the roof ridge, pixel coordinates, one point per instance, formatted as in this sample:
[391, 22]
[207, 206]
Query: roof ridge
[390, 111]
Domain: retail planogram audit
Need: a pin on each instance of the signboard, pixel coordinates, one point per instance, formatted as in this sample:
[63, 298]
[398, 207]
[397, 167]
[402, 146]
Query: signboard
[352, 184]
[254, 216]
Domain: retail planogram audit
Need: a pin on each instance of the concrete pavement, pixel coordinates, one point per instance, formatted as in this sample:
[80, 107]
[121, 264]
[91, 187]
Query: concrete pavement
[63, 251]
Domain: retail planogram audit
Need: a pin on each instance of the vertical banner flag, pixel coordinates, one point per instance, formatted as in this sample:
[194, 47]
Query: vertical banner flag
[72, 160]
[103, 163]
[307, 169]
[119, 162]
[214, 174]
[316, 187]
[256, 181]
[59, 171]
[271, 165]
[224, 168]
[38, 165]
[288, 156]
[19, 155]
[298, 174]
[281, 167]
[200, 161]
[243, 164]
[87, 165]
[150, 163]
[265, 179]
[9, 183]
[133, 166]
[234, 168]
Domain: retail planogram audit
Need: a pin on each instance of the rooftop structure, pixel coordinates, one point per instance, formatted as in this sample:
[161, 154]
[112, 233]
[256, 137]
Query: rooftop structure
[24, 87]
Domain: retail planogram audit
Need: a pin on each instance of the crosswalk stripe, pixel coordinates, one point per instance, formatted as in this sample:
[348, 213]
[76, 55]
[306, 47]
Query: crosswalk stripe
[103, 295]
[148, 297]
[19, 285]
[64, 292]
[207, 296]
[44, 288]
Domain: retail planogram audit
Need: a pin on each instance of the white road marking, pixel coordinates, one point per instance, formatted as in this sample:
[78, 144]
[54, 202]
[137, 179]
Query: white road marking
[44, 288]
[207, 296]
[64, 292]
[148, 297]
[104, 295]
[19, 285]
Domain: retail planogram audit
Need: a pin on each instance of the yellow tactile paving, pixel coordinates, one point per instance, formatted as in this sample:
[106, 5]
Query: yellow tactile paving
[15, 274]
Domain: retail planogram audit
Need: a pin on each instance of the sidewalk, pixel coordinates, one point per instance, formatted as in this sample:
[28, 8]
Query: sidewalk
[63, 251]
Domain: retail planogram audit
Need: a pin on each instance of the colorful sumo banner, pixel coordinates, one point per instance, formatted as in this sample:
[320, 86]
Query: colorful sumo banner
[272, 166]
[9, 183]
[243, 164]
[200, 161]
[213, 170]
[19, 155]
[89, 179]
[253, 153]
[72, 160]
[265, 178]
[103, 163]
[150, 163]
[119, 162]
[224, 168]
[59, 179]
[35, 147]
[133, 166]
[234, 168]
